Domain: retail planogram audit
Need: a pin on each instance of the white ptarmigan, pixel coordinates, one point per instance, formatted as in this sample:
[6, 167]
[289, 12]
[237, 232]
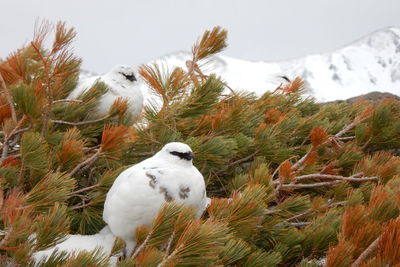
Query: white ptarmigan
[121, 82]
[139, 192]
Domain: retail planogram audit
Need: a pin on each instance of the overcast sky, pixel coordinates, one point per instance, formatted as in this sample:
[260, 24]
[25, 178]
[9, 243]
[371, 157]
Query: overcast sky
[134, 32]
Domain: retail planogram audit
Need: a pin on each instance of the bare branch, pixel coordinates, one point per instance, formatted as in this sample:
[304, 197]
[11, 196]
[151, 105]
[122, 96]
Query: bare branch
[14, 132]
[335, 177]
[84, 189]
[346, 138]
[88, 161]
[5, 239]
[334, 204]
[67, 100]
[77, 207]
[292, 185]
[244, 159]
[171, 238]
[300, 224]
[371, 248]
[347, 128]
[80, 122]
[141, 247]
[301, 161]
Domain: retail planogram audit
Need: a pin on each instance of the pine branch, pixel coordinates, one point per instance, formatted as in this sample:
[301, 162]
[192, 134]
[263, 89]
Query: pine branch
[141, 247]
[302, 161]
[347, 128]
[165, 260]
[276, 171]
[81, 122]
[1, 198]
[297, 186]
[369, 250]
[364, 255]
[49, 93]
[335, 177]
[346, 138]
[244, 159]
[85, 189]
[340, 203]
[5, 239]
[9, 98]
[88, 161]
[14, 132]
[170, 240]
[299, 224]
[67, 101]
[77, 207]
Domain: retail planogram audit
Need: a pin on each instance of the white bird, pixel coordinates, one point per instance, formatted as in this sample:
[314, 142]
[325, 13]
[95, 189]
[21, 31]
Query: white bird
[121, 82]
[140, 191]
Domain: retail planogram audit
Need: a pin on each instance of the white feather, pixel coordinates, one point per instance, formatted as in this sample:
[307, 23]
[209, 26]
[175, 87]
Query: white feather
[139, 192]
[119, 86]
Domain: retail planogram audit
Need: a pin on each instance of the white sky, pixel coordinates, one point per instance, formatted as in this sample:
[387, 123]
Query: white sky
[134, 32]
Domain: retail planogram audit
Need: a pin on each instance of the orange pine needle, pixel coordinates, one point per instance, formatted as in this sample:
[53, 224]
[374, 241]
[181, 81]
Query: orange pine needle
[318, 136]
[286, 173]
[113, 137]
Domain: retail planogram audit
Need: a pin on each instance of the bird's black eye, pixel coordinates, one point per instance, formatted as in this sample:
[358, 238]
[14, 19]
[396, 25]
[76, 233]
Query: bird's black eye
[181, 155]
[129, 77]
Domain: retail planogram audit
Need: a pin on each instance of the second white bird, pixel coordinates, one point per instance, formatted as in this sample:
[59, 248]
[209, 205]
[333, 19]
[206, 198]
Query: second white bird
[122, 82]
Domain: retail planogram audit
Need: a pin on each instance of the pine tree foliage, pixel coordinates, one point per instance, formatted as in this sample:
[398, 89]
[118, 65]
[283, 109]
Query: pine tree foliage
[292, 181]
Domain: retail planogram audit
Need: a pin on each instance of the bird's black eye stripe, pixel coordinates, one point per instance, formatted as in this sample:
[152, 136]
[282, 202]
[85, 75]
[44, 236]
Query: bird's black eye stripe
[129, 77]
[186, 155]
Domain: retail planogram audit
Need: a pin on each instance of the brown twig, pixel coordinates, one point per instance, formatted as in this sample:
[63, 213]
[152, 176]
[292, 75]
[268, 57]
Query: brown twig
[167, 250]
[292, 185]
[244, 159]
[90, 160]
[340, 203]
[371, 248]
[67, 100]
[335, 177]
[77, 207]
[140, 248]
[165, 260]
[80, 122]
[84, 189]
[299, 224]
[354, 178]
[346, 138]
[347, 128]
[1, 198]
[7, 138]
[301, 161]
[5, 239]
[9, 98]
[269, 212]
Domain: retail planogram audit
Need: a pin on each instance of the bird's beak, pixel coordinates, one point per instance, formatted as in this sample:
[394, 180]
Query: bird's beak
[191, 156]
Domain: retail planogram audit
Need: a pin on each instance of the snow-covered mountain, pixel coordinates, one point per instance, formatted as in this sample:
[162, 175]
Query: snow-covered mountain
[369, 64]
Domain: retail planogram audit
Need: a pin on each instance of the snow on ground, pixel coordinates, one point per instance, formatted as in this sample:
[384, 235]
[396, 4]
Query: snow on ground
[369, 64]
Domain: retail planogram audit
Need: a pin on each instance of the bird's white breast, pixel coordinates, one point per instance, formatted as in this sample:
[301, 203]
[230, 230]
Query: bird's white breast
[140, 191]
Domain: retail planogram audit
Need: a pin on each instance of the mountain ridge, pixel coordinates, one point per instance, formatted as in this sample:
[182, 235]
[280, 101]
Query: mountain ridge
[371, 63]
